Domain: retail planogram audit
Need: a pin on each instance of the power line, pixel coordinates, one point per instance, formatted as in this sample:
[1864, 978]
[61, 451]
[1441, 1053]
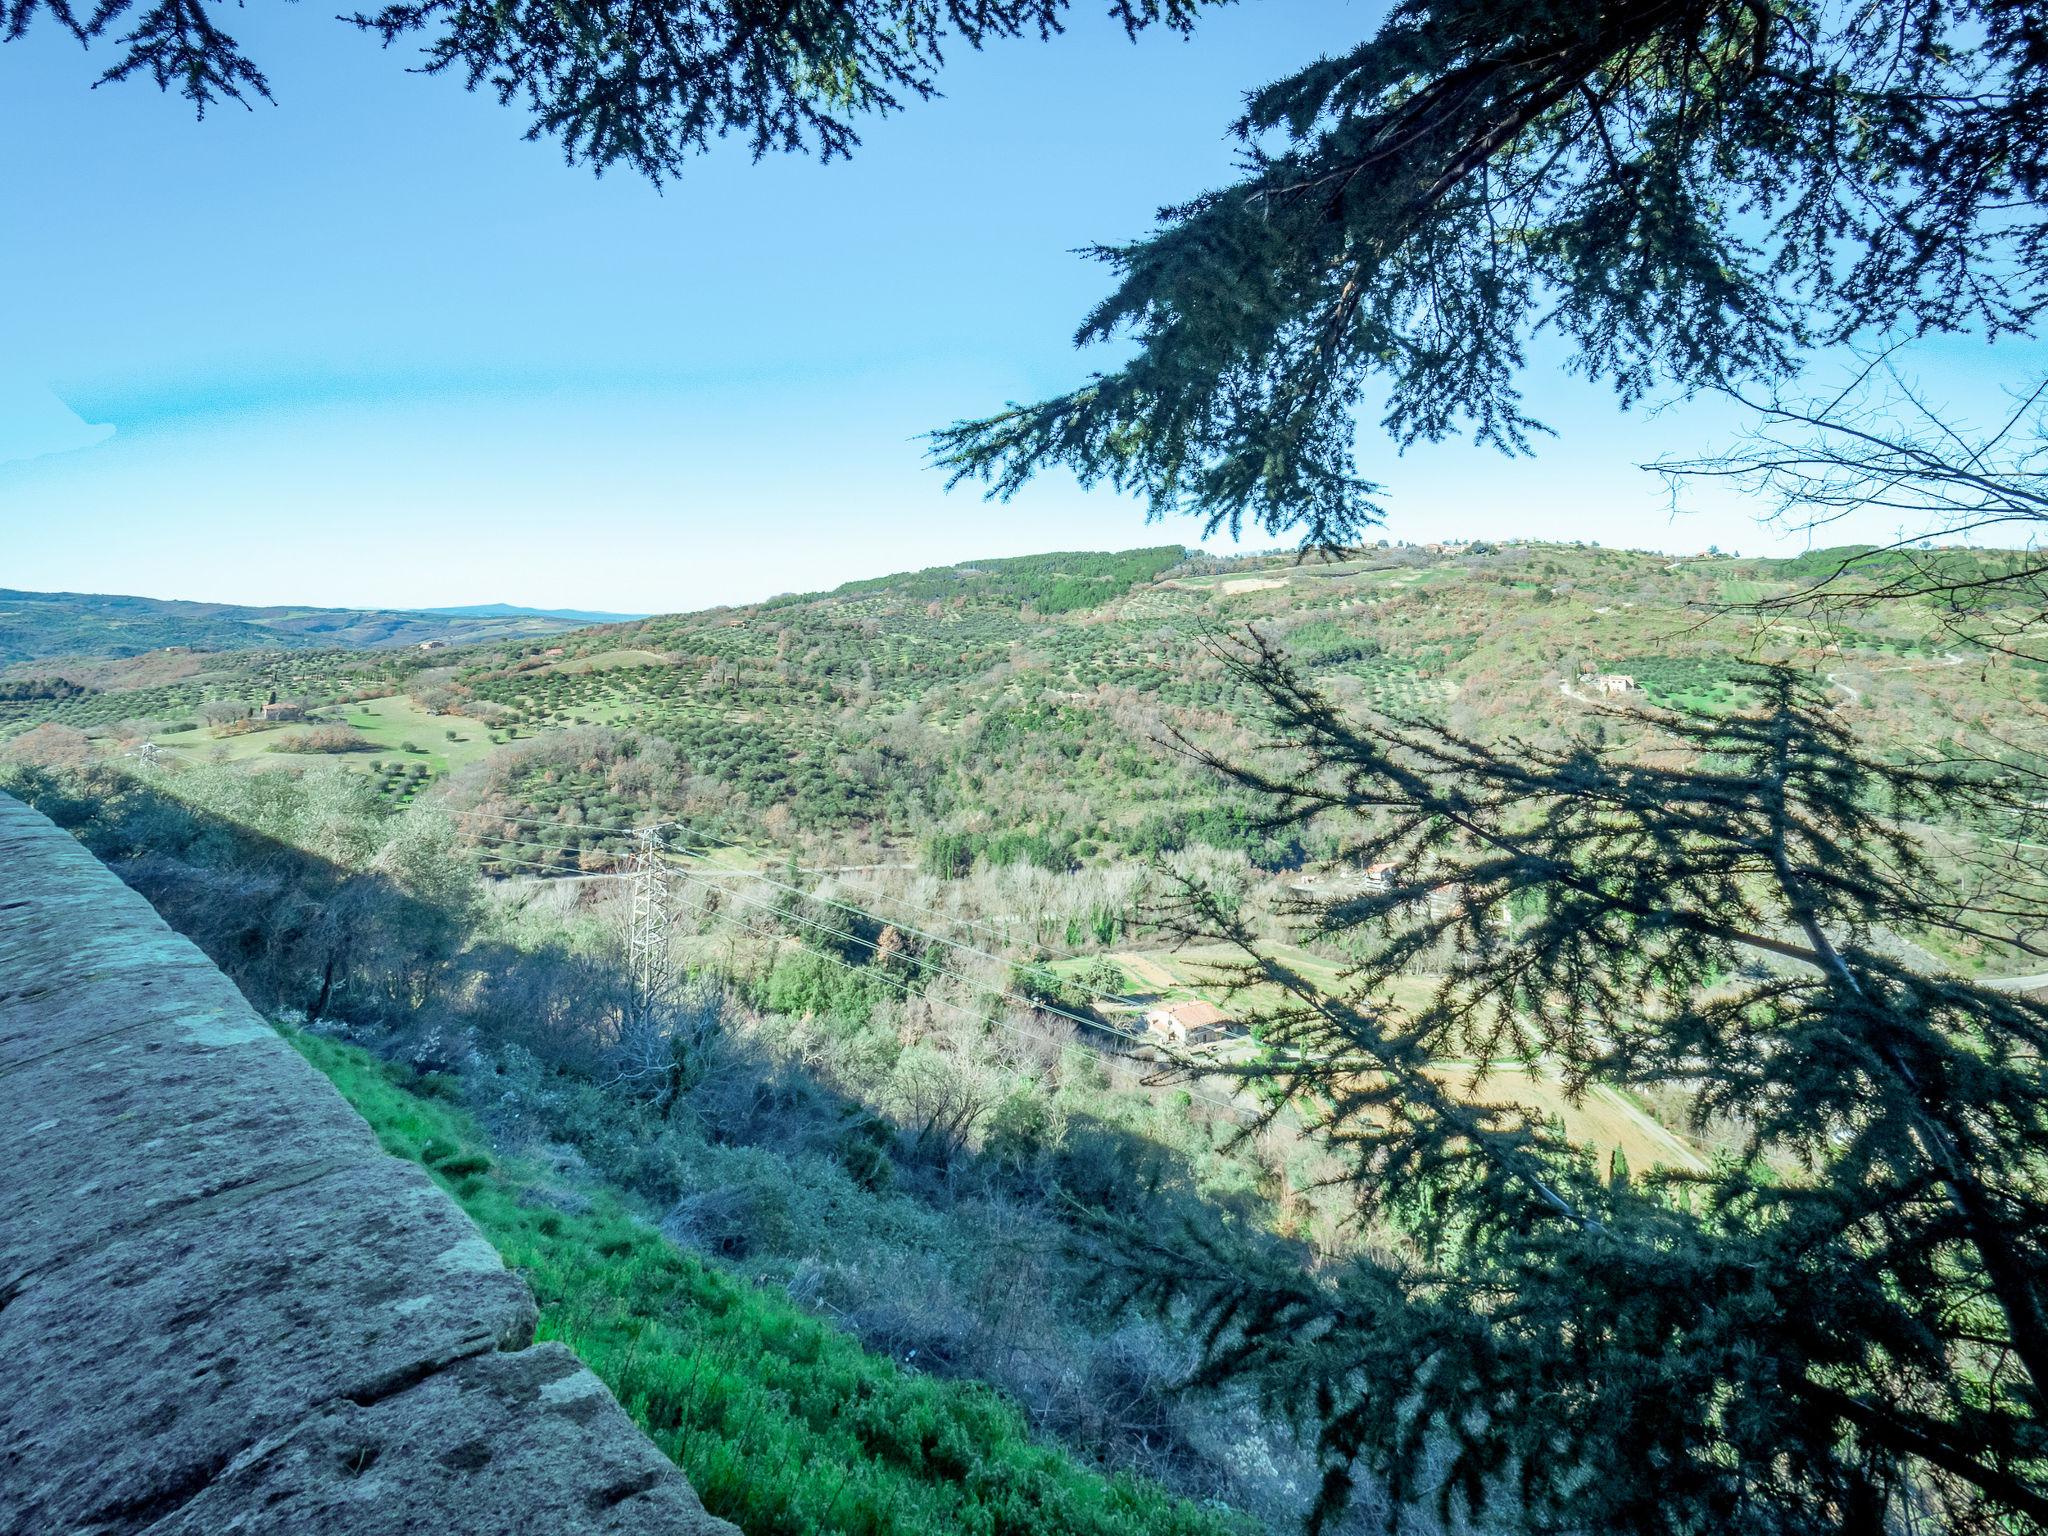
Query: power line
[928, 966]
[905, 927]
[728, 871]
[602, 831]
[980, 1018]
[1095, 992]
[700, 851]
[874, 946]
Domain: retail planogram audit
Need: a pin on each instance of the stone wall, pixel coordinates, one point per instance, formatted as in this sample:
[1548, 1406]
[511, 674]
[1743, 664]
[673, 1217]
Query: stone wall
[222, 1307]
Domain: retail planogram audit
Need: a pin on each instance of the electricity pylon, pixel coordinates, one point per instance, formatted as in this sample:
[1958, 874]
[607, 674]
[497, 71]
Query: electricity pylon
[649, 956]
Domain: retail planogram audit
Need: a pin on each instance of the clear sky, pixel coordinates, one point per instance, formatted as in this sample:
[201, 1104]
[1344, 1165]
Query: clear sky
[367, 346]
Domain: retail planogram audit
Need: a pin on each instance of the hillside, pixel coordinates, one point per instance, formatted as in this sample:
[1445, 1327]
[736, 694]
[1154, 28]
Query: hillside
[41, 626]
[970, 706]
[514, 611]
[915, 715]
[1018, 712]
[894, 1006]
[1003, 713]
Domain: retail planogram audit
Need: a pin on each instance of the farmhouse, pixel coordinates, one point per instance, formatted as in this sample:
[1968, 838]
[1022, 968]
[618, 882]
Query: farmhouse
[1187, 1023]
[1609, 682]
[1381, 876]
[433, 645]
[284, 709]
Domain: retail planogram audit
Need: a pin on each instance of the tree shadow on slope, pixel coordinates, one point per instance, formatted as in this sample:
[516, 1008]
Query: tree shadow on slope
[952, 1258]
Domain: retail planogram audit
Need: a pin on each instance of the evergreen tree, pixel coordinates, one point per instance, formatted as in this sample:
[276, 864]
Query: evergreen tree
[1690, 193]
[1844, 1322]
[615, 82]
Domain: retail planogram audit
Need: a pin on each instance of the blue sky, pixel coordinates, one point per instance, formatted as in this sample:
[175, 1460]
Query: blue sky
[367, 346]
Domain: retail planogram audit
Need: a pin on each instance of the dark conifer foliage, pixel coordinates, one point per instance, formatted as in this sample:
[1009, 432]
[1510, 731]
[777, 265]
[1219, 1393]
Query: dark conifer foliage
[1689, 192]
[1845, 1320]
[617, 82]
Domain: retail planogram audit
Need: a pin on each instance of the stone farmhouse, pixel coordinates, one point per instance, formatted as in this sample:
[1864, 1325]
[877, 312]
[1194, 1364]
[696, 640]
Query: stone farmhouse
[1187, 1023]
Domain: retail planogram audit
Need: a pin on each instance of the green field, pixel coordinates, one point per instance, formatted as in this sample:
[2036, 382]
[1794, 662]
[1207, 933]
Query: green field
[391, 722]
[1603, 1119]
[1739, 589]
[388, 724]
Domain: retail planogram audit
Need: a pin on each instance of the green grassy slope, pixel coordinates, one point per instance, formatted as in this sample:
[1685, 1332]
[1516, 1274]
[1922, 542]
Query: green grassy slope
[784, 1424]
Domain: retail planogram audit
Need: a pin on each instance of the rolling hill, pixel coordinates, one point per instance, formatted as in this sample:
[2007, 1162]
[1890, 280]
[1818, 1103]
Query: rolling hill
[514, 611]
[998, 710]
[36, 626]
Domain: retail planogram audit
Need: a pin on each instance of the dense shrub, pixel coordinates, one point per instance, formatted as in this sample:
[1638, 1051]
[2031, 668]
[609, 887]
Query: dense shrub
[324, 738]
[1229, 827]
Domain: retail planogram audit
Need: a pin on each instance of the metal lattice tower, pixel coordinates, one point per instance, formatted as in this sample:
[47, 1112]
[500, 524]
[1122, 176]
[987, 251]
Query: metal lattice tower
[648, 955]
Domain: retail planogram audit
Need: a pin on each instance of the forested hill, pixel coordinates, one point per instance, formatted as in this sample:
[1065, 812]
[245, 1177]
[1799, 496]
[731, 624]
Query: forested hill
[38, 625]
[1049, 584]
[1002, 710]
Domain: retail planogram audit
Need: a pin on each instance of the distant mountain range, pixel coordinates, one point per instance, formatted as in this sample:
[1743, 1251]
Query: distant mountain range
[513, 611]
[37, 625]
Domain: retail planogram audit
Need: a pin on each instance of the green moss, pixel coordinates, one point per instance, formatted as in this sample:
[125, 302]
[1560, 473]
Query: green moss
[784, 1424]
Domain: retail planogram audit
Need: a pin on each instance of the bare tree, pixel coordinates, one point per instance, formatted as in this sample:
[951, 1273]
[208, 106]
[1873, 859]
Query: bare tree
[1881, 444]
[667, 1048]
[939, 1097]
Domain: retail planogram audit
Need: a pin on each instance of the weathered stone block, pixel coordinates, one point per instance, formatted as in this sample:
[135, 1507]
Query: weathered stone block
[179, 1108]
[222, 1308]
[498, 1445]
[139, 1371]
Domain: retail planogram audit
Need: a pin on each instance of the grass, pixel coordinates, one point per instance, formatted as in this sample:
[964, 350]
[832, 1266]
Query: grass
[1602, 1120]
[1739, 589]
[784, 1424]
[387, 723]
